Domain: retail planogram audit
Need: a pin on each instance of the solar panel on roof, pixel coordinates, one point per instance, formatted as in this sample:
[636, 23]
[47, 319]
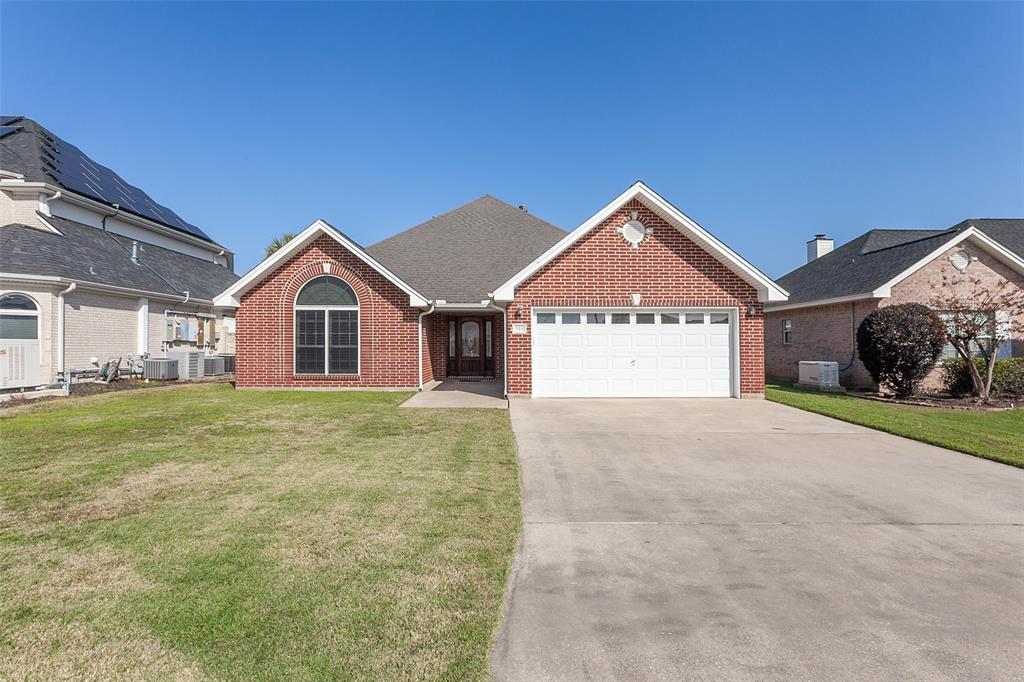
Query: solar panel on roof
[7, 130]
[79, 173]
[7, 120]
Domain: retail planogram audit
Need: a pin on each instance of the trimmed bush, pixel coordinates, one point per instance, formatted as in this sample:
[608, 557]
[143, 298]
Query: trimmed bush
[899, 344]
[1007, 377]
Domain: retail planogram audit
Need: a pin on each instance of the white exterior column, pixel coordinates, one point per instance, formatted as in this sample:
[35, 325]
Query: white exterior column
[143, 326]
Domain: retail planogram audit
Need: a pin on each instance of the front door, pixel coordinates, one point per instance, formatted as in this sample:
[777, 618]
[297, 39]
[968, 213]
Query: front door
[470, 347]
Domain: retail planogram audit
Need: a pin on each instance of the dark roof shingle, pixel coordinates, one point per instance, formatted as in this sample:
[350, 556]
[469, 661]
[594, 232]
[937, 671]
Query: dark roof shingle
[875, 257]
[464, 254]
[89, 254]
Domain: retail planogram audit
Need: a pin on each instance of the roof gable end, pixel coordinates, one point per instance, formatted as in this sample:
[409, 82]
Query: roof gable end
[766, 288]
[231, 297]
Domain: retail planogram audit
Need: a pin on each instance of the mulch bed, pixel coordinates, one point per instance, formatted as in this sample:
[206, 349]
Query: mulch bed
[943, 400]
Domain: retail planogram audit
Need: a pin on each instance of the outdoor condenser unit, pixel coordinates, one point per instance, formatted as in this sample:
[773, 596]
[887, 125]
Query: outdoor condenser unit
[190, 365]
[160, 368]
[823, 376]
[229, 363]
[213, 365]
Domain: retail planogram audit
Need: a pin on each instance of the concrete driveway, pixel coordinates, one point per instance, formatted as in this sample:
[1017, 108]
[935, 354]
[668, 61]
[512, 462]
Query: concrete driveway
[729, 539]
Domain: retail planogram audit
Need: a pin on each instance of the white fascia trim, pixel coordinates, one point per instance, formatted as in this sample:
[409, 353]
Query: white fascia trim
[95, 286]
[232, 296]
[819, 302]
[971, 233]
[21, 186]
[766, 288]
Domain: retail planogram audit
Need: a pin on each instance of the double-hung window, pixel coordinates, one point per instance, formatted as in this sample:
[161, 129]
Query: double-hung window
[326, 327]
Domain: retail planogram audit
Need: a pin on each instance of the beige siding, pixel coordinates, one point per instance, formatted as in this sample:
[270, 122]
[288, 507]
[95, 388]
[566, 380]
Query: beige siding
[98, 325]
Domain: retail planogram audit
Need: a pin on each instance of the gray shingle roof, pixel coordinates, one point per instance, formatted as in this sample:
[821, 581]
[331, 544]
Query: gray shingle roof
[33, 151]
[89, 254]
[875, 257]
[464, 254]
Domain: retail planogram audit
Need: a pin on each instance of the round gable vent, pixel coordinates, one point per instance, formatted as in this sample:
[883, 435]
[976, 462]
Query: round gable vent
[634, 231]
[960, 260]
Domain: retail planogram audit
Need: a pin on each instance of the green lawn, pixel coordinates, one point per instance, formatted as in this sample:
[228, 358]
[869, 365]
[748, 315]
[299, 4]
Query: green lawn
[992, 435]
[202, 532]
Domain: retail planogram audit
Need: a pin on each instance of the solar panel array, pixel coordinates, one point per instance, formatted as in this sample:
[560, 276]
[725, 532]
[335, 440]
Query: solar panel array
[75, 171]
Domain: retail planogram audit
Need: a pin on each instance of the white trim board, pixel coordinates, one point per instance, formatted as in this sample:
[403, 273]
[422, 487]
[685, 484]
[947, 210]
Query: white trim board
[231, 297]
[767, 290]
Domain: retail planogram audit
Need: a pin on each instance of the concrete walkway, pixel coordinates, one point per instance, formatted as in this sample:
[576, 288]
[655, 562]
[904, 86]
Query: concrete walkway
[746, 540]
[460, 394]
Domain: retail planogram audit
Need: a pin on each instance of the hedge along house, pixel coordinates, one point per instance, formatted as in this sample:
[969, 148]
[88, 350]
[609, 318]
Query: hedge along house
[638, 301]
[836, 289]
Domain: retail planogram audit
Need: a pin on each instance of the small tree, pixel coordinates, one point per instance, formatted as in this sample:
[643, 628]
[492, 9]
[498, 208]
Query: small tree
[278, 243]
[899, 344]
[978, 318]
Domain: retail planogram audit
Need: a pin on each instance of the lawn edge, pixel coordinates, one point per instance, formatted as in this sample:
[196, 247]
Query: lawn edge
[999, 459]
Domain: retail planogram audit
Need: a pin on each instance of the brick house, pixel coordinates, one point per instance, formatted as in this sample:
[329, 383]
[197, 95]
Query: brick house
[638, 300]
[837, 288]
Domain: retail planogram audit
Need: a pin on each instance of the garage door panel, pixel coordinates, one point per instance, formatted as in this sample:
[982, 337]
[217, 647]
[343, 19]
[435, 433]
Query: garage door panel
[596, 358]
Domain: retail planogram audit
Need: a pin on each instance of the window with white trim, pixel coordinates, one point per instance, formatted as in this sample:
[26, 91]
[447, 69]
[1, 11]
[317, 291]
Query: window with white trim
[326, 327]
[787, 332]
[19, 317]
[949, 351]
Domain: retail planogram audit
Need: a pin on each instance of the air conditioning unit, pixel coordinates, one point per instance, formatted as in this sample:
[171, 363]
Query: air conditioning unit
[213, 366]
[190, 365]
[229, 363]
[821, 375]
[160, 368]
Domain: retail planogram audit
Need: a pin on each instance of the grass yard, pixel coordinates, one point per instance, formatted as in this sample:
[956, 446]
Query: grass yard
[993, 435]
[200, 532]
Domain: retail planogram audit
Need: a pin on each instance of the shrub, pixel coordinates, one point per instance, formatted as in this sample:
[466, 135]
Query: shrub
[1007, 377]
[899, 344]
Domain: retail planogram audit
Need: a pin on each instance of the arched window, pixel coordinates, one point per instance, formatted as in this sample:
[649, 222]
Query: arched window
[19, 317]
[326, 327]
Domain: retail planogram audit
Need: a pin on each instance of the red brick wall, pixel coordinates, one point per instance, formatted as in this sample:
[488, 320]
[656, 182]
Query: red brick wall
[667, 270]
[826, 333]
[436, 328]
[388, 326]
[829, 332]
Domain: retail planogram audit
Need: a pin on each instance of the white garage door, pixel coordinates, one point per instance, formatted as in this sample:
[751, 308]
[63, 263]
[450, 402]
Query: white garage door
[649, 353]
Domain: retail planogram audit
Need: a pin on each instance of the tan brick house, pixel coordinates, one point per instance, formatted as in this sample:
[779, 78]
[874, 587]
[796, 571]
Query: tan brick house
[638, 300]
[93, 268]
[837, 288]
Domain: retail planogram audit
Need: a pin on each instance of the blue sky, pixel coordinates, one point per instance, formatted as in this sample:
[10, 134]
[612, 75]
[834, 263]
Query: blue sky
[764, 122]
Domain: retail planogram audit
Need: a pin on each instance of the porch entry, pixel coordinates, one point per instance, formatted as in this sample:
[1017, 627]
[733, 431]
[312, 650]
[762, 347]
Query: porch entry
[471, 346]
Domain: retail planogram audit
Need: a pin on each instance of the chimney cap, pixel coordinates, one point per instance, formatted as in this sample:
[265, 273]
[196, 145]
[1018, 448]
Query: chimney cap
[820, 236]
[523, 208]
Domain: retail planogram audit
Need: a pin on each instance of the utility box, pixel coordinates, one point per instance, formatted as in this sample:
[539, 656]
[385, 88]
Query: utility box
[820, 375]
[190, 365]
[161, 369]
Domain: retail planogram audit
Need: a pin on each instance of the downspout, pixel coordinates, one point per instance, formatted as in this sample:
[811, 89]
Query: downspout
[422, 315]
[103, 223]
[504, 326]
[60, 331]
[853, 335]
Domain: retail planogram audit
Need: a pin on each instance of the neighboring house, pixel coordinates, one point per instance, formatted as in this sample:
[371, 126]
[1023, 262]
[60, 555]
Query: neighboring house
[92, 267]
[837, 289]
[637, 301]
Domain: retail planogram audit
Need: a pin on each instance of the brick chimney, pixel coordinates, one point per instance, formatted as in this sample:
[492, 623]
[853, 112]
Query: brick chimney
[819, 246]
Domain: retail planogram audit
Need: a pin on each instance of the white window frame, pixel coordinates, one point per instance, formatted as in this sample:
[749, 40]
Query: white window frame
[327, 332]
[787, 332]
[15, 312]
